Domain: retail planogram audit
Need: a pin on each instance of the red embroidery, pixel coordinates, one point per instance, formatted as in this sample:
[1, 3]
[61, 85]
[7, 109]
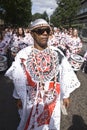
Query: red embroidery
[57, 87]
[45, 116]
[30, 81]
[28, 120]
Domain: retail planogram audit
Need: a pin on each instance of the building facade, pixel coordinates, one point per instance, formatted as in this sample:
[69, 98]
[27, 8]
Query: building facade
[81, 18]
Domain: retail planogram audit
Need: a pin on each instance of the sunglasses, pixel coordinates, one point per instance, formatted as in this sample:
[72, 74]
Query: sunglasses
[40, 31]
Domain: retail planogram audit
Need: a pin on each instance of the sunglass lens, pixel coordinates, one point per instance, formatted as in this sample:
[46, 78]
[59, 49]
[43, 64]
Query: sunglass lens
[48, 31]
[41, 31]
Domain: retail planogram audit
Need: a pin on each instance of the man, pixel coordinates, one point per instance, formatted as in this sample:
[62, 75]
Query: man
[41, 74]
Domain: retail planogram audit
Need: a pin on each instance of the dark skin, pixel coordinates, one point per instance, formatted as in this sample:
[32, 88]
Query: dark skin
[18, 103]
[40, 42]
[66, 102]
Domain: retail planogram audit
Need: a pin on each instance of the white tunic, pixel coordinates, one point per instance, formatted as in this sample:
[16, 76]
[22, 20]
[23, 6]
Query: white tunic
[33, 73]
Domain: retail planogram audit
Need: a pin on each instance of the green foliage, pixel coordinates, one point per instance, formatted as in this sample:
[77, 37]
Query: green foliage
[38, 15]
[65, 12]
[18, 12]
[45, 16]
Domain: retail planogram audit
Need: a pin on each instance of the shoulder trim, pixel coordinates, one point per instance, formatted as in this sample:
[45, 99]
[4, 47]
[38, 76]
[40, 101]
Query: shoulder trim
[60, 53]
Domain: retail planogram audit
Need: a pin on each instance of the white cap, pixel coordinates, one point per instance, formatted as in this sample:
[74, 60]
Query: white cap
[39, 23]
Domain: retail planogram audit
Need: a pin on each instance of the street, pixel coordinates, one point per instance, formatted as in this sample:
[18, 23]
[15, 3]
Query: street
[9, 117]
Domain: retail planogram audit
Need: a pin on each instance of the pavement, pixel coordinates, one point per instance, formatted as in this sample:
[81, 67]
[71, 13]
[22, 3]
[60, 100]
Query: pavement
[9, 118]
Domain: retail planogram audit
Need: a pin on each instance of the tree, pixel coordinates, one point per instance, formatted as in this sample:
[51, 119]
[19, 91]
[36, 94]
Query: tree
[18, 12]
[66, 11]
[38, 15]
[45, 16]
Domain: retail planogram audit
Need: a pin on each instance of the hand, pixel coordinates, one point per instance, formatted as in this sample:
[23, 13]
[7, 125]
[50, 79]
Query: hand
[19, 103]
[66, 102]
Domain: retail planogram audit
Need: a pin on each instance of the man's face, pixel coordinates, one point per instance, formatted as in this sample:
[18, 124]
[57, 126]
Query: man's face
[41, 36]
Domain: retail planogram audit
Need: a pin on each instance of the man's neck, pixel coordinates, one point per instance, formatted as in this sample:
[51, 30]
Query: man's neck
[39, 47]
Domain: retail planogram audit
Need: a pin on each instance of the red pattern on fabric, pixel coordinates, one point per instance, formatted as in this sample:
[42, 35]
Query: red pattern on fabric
[45, 116]
[30, 81]
[57, 87]
[28, 120]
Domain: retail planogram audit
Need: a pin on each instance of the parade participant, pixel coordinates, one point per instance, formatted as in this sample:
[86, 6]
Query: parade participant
[4, 44]
[41, 74]
[62, 43]
[53, 40]
[77, 42]
[28, 36]
[74, 44]
[19, 40]
[84, 65]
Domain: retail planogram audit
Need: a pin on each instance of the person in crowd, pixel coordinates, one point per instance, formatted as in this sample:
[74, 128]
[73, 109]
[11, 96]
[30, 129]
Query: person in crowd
[84, 65]
[62, 43]
[19, 40]
[70, 31]
[57, 33]
[28, 36]
[53, 39]
[3, 44]
[42, 77]
[73, 44]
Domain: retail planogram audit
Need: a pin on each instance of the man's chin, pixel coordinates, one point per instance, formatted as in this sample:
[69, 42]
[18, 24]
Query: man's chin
[43, 46]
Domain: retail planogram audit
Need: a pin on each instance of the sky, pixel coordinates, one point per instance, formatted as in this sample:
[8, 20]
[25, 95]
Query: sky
[39, 6]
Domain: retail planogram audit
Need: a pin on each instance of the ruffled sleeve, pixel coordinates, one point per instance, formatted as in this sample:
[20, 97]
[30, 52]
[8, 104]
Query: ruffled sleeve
[16, 74]
[68, 79]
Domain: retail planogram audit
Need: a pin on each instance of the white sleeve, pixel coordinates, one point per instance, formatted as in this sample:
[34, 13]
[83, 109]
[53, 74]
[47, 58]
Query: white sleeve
[17, 75]
[68, 79]
[15, 95]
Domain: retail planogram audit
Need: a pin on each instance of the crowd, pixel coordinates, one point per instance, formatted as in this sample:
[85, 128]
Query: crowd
[38, 64]
[12, 40]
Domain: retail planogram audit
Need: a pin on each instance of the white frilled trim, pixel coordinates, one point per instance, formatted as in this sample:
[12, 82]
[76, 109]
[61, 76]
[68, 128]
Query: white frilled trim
[15, 72]
[68, 79]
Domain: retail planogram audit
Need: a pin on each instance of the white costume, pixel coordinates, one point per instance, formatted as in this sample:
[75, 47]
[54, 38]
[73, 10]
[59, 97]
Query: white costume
[74, 45]
[40, 78]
